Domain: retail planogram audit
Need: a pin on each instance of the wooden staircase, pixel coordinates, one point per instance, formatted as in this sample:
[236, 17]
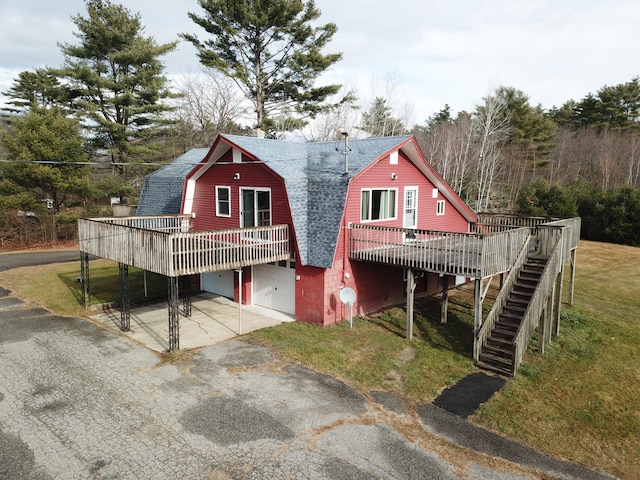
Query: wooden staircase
[498, 352]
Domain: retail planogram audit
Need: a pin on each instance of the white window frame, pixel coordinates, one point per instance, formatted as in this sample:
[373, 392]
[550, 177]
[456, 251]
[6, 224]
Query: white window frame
[440, 207]
[405, 218]
[368, 213]
[256, 219]
[218, 210]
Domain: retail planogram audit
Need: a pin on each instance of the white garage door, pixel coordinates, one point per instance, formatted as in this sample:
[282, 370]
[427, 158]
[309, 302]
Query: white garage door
[274, 286]
[220, 283]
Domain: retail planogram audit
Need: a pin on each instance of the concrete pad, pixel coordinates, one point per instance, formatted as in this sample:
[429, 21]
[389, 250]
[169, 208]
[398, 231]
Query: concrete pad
[213, 319]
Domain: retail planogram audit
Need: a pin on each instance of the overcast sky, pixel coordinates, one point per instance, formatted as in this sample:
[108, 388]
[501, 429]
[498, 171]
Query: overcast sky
[435, 51]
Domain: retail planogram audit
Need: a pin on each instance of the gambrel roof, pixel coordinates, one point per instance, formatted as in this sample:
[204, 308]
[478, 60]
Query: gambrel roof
[314, 177]
[162, 190]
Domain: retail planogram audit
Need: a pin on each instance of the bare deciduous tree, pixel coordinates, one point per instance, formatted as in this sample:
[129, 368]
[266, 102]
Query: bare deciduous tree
[209, 103]
[491, 129]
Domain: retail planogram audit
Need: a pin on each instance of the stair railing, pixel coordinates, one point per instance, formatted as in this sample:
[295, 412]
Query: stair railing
[552, 243]
[501, 300]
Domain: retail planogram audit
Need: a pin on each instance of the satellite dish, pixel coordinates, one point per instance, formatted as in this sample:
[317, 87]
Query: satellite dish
[347, 296]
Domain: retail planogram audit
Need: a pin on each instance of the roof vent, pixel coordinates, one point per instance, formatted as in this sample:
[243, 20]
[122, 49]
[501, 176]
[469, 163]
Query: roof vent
[346, 152]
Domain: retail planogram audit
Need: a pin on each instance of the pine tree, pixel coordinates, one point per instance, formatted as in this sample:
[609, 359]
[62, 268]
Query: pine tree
[46, 147]
[41, 88]
[272, 52]
[116, 78]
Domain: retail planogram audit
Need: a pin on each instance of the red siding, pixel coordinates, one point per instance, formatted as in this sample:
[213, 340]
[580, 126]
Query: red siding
[252, 175]
[310, 299]
[407, 174]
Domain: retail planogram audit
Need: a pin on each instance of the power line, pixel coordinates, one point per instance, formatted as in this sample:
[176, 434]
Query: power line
[103, 164]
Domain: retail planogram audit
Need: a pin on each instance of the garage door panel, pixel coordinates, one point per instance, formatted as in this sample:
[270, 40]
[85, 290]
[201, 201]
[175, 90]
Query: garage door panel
[274, 287]
[220, 283]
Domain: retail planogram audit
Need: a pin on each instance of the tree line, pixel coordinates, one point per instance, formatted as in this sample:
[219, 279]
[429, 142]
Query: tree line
[76, 135]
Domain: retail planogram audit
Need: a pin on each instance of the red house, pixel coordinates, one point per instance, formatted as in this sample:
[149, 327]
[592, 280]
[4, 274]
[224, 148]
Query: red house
[319, 189]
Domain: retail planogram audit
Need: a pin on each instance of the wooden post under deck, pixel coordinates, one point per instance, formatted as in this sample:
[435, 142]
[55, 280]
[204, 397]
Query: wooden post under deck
[445, 299]
[573, 274]
[411, 286]
[477, 317]
[84, 279]
[558, 301]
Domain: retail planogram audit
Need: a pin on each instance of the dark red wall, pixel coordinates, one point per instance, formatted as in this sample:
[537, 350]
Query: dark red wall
[252, 175]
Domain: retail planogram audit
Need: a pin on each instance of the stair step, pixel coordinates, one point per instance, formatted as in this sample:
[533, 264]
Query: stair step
[523, 287]
[511, 326]
[502, 333]
[514, 308]
[511, 316]
[494, 368]
[500, 342]
[537, 265]
[527, 281]
[498, 351]
[498, 361]
[521, 295]
[518, 301]
[533, 268]
[537, 259]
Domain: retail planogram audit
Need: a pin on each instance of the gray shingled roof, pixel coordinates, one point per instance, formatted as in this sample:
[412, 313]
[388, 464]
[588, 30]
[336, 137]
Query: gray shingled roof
[162, 190]
[314, 178]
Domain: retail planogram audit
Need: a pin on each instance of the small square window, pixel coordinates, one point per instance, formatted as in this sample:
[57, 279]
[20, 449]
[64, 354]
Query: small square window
[440, 207]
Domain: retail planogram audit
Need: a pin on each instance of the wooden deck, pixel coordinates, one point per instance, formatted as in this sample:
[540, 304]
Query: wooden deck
[491, 251]
[166, 244]
[470, 255]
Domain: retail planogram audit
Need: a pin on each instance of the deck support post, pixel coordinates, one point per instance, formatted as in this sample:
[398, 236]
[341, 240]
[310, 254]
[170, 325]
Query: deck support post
[558, 301]
[445, 299]
[411, 286]
[240, 286]
[573, 274]
[84, 279]
[477, 316]
[541, 331]
[125, 297]
[186, 298]
[174, 316]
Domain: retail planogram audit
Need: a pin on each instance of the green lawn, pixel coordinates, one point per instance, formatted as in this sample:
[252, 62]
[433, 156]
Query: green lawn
[56, 286]
[579, 401]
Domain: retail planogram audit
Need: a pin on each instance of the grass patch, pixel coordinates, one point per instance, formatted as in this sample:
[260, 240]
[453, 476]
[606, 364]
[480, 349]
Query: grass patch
[56, 287]
[375, 355]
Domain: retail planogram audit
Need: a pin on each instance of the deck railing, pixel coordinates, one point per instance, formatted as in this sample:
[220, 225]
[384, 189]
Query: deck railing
[509, 220]
[161, 223]
[472, 255]
[171, 249]
[200, 252]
